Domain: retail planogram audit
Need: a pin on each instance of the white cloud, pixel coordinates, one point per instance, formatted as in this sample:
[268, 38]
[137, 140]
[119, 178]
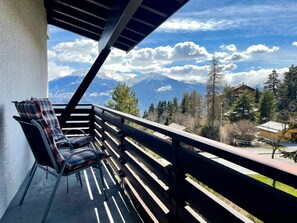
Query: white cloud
[55, 70]
[194, 25]
[187, 73]
[80, 50]
[236, 56]
[51, 54]
[253, 77]
[117, 76]
[294, 43]
[163, 60]
[260, 48]
[230, 47]
[164, 88]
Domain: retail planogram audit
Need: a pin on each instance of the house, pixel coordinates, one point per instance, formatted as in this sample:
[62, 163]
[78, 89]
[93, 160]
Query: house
[274, 131]
[243, 87]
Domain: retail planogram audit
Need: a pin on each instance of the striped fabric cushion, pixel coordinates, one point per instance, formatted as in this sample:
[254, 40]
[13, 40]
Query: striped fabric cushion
[45, 109]
[27, 109]
[79, 160]
[38, 108]
[49, 136]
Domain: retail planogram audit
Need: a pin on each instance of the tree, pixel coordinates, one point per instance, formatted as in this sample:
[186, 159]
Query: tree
[272, 83]
[213, 88]
[257, 95]
[228, 97]
[185, 103]
[242, 109]
[267, 106]
[242, 132]
[124, 100]
[287, 94]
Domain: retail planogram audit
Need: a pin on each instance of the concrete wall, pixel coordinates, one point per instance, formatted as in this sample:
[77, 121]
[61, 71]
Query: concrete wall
[23, 73]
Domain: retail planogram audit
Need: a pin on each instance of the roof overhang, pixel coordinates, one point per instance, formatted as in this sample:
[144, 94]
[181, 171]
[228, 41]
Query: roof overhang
[89, 18]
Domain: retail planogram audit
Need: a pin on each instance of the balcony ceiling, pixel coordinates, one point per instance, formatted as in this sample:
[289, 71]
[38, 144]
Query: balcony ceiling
[89, 17]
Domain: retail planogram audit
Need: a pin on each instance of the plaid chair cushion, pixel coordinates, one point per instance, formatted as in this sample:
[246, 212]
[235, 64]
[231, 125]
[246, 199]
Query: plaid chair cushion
[46, 111]
[77, 141]
[52, 143]
[81, 159]
[27, 109]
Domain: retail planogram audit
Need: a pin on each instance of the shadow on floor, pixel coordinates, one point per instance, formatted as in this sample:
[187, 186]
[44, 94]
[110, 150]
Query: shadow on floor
[80, 204]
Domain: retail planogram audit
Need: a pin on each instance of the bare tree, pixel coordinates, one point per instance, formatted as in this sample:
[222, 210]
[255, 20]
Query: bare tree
[213, 88]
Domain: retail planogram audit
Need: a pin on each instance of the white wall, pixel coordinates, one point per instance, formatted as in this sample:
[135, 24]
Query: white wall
[23, 73]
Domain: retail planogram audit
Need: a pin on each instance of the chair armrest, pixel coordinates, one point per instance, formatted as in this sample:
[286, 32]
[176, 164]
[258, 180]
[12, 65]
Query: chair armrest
[80, 130]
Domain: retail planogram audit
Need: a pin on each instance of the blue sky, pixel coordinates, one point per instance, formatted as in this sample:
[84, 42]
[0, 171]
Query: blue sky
[250, 38]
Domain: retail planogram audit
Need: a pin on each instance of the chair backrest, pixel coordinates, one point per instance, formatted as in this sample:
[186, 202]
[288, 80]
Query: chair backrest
[39, 141]
[37, 108]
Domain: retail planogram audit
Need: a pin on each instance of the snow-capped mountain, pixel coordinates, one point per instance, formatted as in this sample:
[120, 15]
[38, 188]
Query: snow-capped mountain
[148, 88]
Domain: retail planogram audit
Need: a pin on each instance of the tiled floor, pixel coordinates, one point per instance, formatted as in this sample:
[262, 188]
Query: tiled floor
[82, 204]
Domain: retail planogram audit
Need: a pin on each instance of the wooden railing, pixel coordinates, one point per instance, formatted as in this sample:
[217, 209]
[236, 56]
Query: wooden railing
[169, 182]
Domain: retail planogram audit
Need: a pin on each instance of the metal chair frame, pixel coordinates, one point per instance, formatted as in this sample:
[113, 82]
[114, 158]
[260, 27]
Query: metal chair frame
[59, 171]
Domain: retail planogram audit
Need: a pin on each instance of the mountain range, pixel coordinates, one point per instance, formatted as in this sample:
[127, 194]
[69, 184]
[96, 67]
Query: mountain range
[149, 89]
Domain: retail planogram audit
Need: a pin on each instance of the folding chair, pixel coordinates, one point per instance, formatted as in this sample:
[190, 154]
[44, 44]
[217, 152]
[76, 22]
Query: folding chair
[42, 108]
[54, 161]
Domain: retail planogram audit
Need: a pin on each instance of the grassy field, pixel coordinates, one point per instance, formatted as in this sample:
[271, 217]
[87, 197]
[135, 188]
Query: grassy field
[278, 185]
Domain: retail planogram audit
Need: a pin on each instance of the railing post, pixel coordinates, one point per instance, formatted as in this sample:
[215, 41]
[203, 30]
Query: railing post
[175, 198]
[92, 121]
[122, 150]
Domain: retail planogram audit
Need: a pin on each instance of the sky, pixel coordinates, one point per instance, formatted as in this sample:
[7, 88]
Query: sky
[250, 38]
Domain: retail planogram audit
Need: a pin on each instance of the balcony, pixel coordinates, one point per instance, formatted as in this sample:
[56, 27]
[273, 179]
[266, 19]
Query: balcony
[166, 181]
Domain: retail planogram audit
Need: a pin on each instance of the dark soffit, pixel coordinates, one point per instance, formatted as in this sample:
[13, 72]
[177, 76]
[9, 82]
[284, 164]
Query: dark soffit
[88, 18]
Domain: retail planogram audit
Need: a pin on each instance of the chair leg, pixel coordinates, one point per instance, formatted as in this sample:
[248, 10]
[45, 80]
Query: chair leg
[51, 198]
[79, 177]
[102, 180]
[31, 175]
[67, 185]
[32, 168]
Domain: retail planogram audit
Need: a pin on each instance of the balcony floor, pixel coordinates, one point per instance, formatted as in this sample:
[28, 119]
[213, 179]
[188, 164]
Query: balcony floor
[79, 205]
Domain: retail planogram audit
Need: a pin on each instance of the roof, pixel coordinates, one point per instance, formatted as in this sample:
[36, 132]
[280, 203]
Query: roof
[172, 125]
[272, 126]
[90, 17]
[243, 86]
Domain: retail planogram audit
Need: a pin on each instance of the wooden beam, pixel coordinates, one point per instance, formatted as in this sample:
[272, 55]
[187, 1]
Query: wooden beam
[120, 15]
[83, 87]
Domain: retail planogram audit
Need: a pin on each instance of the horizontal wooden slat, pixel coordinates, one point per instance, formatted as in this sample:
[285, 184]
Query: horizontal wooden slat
[111, 131]
[77, 125]
[114, 120]
[76, 111]
[150, 162]
[98, 112]
[161, 192]
[253, 196]
[184, 216]
[203, 202]
[144, 212]
[157, 145]
[145, 196]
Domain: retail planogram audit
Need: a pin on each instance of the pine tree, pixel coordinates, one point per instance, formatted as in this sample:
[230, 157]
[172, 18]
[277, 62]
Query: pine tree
[228, 97]
[242, 109]
[257, 95]
[213, 88]
[267, 106]
[124, 100]
[272, 83]
[185, 104]
[287, 97]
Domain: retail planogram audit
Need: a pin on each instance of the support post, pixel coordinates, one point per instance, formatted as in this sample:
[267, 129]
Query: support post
[83, 86]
